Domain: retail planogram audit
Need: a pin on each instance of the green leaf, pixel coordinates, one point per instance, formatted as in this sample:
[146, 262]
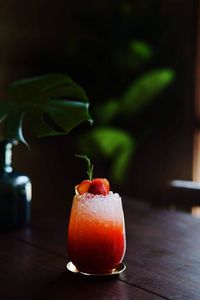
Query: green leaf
[140, 50]
[67, 114]
[134, 56]
[108, 111]
[38, 125]
[54, 97]
[111, 143]
[139, 94]
[145, 90]
[64, 114]
[41, 88]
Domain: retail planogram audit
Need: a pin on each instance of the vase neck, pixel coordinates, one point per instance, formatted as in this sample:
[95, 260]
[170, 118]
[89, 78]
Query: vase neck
[6, 157]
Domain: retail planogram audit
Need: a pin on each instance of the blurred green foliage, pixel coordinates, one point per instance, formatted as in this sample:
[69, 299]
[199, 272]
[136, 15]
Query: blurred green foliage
[113, 50]
[113, 144]
[117, 144]
[136, 96]
[134, 56]
[144, 90]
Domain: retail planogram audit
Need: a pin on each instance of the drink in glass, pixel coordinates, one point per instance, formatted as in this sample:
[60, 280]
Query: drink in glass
[96, 233]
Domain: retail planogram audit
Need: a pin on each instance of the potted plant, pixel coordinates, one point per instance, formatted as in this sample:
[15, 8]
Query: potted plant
[53, 105]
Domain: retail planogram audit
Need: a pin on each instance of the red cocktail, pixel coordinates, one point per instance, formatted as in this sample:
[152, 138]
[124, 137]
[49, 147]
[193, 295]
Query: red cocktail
[96, 234]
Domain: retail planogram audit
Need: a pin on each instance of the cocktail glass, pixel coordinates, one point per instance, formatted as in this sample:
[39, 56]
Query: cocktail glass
[96, 233]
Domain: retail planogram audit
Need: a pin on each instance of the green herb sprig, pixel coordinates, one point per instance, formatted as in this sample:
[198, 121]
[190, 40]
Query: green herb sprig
[89, 165]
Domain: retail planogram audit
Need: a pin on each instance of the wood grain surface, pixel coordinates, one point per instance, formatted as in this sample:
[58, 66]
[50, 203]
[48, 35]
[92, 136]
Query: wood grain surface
[162, 258]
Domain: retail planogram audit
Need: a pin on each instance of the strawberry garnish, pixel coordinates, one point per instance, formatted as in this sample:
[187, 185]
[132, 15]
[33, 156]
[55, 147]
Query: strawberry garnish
[97, 186]
[107, 184]
[83, 187]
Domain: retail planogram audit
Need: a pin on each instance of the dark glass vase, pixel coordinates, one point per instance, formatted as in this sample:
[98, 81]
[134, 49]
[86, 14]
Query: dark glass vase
[15, 192]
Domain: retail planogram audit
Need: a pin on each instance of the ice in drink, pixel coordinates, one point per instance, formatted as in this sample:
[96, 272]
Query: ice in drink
[96, 233]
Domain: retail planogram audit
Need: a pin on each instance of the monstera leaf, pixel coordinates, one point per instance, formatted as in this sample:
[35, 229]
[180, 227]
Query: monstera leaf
[53, 104]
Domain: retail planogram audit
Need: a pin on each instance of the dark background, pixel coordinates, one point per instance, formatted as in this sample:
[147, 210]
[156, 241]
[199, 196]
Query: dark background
[78, 38]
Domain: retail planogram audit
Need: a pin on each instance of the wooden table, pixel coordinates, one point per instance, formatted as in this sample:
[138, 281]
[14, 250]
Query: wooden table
[162, 258]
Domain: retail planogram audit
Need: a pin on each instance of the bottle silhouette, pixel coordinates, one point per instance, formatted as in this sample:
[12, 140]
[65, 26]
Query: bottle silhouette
[15, 192]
